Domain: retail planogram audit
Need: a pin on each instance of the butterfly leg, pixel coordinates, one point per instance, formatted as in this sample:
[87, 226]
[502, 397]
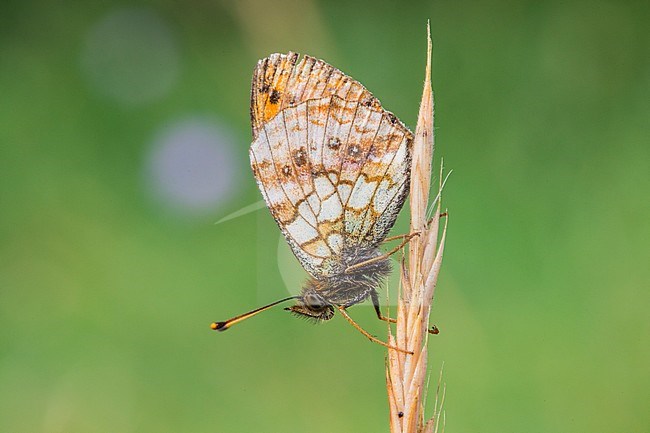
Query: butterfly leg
[410, 235]
[383, 256]
[394, 238]
[364, 332]
[375, 302]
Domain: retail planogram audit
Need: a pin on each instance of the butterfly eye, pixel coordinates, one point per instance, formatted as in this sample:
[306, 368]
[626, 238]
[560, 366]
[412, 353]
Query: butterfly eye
[314, 302]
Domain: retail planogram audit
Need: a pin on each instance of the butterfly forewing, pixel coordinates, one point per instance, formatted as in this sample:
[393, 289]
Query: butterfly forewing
[331, 163]
[279, 82]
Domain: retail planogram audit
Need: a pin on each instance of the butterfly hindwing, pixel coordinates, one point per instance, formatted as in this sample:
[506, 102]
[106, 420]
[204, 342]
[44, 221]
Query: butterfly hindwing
[332, 164]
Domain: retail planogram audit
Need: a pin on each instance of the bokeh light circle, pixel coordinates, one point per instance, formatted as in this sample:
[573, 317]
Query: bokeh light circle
[191, 166]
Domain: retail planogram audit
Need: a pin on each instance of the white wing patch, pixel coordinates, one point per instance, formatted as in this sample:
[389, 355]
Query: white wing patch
[331, 209]
[305, 211]
[314, 202]
[362, 193]
[301, 231]
[324, 187]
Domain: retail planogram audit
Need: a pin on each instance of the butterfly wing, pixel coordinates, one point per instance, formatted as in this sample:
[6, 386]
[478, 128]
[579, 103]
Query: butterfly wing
[280, 81]
[331, 163]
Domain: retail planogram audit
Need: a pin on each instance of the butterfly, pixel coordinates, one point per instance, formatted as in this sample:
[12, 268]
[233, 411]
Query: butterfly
[334, 169]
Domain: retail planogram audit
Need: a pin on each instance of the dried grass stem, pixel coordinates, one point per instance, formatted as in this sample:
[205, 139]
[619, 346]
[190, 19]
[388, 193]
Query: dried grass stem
[406, 374]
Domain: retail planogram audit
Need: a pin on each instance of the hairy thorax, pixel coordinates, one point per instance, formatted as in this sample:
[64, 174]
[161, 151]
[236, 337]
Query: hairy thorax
[344, 288]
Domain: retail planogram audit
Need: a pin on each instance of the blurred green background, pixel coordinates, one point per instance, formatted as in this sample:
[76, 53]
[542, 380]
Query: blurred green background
[124, 131]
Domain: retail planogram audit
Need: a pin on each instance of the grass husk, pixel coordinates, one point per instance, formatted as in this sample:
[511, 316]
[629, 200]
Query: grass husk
[406, 375]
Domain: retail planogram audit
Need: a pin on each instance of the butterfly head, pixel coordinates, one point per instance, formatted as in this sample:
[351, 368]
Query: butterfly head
[312, 305]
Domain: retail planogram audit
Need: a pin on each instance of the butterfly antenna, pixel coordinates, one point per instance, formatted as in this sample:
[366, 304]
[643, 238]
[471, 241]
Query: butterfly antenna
[222, 326]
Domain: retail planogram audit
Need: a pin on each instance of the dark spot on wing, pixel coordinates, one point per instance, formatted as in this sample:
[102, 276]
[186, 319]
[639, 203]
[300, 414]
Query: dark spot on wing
[274, 97]
[334, 143]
